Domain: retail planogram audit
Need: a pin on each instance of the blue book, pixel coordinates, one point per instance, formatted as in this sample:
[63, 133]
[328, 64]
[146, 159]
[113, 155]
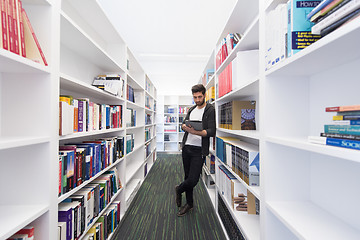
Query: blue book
[345, 143]
[65, 215]
[320, 6]
[342, 129]
[299, 34]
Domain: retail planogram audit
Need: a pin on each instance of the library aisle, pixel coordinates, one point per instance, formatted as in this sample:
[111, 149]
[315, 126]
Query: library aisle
[152, 214]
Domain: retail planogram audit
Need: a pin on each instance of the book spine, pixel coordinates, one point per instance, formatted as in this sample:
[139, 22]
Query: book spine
[15, 25]
[345, 143]
[342, 136]
[340, 13]
[21, 29]
[26, 18]
[80, 116]
[10, 25]
[4, 26]
[342, 129]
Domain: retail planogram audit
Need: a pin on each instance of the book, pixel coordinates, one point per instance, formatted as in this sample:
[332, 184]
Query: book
[325, 10]
[344, 108]
[10, 22]
[299, 34]
[319, 6]
[33, 48]
[22, 48]
[333, 9]
[61, 231]
[337, 142]
[337, 15]
[237, 115]
[341, 136]
[342, 129]
[4, 42]
[15, 20]
[340, 22]
[29, 231]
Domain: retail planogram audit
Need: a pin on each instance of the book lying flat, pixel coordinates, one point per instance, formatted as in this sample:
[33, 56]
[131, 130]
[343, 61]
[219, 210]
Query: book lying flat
[197, 125]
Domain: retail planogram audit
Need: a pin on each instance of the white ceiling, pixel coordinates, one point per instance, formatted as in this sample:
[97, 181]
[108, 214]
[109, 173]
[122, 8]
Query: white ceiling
[171, 39]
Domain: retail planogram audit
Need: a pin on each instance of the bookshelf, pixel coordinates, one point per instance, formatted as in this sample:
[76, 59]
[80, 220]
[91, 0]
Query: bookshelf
[79, 44]
[244, 19]
[171, 110]
[296, 177]
[313, 75]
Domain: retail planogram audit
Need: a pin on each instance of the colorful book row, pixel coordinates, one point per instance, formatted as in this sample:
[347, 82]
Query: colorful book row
[77, 212]
[80, 162]
[242, 157]
[82, 115]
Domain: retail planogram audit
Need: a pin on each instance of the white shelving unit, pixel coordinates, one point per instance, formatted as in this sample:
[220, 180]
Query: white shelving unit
[175, 137]
[79, 43]
[297, 177]
[244, 20]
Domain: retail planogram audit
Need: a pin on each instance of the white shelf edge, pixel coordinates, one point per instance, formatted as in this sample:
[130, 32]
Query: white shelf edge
[14, 142]
[76, 82]
[309, 221]
[245, 87]
[31, 66]
[303, 144]
[135, 127]
[135, 149]
[133, 105]
[90, 133]
[15, 217]
[254, 134]
[128, 192]
[68, 194]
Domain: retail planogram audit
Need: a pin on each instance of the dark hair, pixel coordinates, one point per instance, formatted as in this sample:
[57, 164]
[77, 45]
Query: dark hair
[198, 88]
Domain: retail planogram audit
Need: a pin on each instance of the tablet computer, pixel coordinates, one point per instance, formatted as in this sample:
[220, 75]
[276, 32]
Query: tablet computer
[197, 125]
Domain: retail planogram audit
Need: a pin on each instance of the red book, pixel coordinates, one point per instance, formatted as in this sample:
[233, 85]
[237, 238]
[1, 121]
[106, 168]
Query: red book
[4, 26]
[343, 108]
[60, 175]
[15, 25]
[21, 29]
[29, 230]
[9, 11]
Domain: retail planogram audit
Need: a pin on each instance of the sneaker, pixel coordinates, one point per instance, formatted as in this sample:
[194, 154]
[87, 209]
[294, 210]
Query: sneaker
[177, 196]
[185, 209]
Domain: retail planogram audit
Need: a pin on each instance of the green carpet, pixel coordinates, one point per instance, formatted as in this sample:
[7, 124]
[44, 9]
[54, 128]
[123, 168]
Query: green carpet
[152, 214]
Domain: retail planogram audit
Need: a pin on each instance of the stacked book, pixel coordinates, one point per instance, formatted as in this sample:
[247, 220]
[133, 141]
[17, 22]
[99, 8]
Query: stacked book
[111, 83]
[332, 14]
[344, 131]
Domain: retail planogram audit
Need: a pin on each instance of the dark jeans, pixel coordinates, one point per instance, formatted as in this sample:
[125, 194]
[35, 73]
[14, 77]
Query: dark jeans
[193, 162]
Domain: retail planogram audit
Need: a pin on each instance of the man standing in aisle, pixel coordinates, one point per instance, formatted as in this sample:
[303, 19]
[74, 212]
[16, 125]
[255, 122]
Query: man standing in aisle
[195, 146]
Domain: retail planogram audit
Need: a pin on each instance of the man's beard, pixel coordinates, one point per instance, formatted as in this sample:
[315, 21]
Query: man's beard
[200, 104]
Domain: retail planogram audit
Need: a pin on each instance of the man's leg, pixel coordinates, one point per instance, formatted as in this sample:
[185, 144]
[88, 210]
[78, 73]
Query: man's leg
[193, 176]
